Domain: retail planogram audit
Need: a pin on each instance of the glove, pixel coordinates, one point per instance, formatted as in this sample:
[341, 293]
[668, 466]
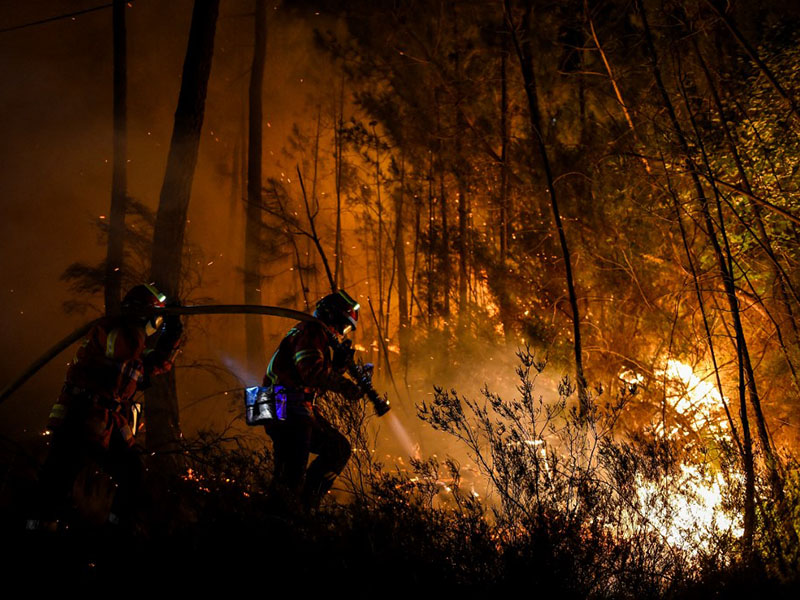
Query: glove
[343, 354]
[350, 390]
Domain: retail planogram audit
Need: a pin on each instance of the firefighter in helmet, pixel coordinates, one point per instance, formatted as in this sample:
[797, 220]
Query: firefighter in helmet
[306, 363]
[94, 418]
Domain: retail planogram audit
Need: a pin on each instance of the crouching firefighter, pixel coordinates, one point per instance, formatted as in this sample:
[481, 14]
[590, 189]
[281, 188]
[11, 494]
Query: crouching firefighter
[95, 419]
[310, 360]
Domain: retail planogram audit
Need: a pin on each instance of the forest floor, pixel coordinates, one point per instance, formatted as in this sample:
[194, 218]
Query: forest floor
[388, 548]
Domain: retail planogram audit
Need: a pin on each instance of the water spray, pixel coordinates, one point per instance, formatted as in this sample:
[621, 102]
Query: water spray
[400, 433]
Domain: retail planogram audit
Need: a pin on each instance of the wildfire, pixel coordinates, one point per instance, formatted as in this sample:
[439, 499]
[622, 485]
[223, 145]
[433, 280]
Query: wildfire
[695, 398]
[693, 516]
[694, 511]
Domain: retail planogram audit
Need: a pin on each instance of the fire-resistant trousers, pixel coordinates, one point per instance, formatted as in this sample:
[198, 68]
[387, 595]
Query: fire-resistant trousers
[71, 449]
[293, 440]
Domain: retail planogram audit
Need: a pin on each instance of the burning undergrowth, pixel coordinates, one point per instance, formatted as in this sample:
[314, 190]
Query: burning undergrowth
[540, 497]
[569, 504]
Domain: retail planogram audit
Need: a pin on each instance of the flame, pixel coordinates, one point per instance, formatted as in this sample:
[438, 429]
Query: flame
[692, 516]
[694, 397]
[691, 519]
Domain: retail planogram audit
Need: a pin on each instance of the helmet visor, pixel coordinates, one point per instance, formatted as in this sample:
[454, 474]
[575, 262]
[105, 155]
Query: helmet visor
[153, 324]
[351, 320]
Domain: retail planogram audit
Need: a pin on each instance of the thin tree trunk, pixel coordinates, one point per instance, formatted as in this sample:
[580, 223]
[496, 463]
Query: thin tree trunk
[162, 404]
[444, 251]
[445, 248]
[315, 203]
[463, 273]
[461, 179]
[314, 237]
[400, 254]
[431, 249]
[755, 401]
[254, 332]
[613, 79]
[749, 500]
[338, 270]
[778, 333]
[379, 240]
[526, 65]
[503, 155]
[116, 221]
[299, 267]
[504, 297]
[415, 263]
[701, 304]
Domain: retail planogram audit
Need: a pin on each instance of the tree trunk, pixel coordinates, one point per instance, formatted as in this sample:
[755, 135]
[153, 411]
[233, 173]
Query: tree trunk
[400, 254]
[444, 252]
[444, 243]
[503, 156]
[116, 218]
[338, 253]
[379, 239]
[463, 272]
[162, 406]
[503, 295]
[730, 292]
[460, 171]
[431, 248]
[254, 332]
[706, 326]
[412, 284]
[755, 398]
[525, 56]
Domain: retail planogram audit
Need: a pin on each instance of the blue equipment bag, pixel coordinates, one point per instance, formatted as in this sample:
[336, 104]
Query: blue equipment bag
[261, 405]
[264, 404]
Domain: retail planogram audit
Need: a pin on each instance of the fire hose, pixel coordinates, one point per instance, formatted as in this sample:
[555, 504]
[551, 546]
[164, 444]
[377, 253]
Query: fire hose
[359, 373]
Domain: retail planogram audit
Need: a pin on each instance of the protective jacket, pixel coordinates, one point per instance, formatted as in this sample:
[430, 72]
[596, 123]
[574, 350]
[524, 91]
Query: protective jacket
[305, 362]
[303, 365]
[110, 366]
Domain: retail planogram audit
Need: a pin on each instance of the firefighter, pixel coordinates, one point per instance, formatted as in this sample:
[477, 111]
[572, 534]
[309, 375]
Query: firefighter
[94, 418]
[305, 365]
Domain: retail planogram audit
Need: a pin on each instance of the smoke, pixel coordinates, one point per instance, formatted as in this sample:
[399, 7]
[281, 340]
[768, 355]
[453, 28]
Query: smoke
[467, 366]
